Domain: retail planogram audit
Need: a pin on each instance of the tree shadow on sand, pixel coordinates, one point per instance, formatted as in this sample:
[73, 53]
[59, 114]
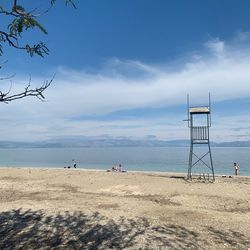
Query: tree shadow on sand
[230, 238]
[36, 230]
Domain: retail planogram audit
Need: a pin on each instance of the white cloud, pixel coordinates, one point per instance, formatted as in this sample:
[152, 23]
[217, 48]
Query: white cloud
[223, 70]
[216, 46]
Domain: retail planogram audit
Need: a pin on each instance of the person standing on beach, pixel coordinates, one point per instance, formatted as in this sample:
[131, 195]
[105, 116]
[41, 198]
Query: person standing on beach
[120, 167]
[236, 168]
[74, 163]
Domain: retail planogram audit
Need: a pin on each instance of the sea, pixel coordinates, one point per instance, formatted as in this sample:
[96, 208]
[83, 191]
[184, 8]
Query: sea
[155, 159]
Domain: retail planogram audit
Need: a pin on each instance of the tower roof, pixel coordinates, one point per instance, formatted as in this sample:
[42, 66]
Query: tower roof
[199, 110]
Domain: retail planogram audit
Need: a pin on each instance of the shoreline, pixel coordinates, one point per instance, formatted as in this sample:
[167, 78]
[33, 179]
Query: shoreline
[167, 173]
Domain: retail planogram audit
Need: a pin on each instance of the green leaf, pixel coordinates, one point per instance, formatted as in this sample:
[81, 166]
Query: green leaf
[37, 24]
[19, 8]
[20, 25]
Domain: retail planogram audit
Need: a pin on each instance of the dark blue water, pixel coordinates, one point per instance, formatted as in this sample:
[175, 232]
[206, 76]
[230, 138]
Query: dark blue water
[165, 159]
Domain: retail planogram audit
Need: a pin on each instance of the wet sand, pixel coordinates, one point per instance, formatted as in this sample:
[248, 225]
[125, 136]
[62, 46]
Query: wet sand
[82, 209]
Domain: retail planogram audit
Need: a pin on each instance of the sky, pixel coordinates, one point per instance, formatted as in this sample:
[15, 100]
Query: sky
[124, 68]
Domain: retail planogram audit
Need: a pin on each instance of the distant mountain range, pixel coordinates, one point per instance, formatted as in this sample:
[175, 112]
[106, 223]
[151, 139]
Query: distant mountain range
[82, 141]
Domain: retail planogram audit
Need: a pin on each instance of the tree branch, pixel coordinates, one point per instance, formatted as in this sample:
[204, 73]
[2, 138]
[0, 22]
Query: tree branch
[39, 49]
[21, 21]
[37, 92]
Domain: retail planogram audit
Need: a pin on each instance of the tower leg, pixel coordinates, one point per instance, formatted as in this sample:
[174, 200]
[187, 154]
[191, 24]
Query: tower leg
[190, 162]
[211, 161]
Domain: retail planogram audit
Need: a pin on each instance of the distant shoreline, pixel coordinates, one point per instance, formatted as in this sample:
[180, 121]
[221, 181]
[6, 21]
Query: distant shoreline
[105, 142]
[119, 146]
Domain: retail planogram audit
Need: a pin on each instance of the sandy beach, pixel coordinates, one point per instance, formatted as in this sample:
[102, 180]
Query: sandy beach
[81, 209]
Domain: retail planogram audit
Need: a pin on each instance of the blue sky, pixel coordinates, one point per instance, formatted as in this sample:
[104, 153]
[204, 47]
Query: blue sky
[123, 68]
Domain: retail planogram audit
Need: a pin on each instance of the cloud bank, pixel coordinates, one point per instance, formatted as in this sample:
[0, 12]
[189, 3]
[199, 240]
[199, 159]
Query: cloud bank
[77, 98]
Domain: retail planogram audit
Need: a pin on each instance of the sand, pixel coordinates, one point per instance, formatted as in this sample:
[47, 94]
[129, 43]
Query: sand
[81, 209]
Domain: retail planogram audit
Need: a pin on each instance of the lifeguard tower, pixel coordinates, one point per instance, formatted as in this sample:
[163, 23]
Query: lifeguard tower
[199, 122]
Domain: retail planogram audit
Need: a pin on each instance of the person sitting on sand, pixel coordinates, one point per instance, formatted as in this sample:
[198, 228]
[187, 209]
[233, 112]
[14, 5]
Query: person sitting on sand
[236, 168]
[114, 168]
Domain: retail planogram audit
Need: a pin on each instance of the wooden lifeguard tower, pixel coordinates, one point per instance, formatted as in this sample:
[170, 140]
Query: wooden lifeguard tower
[199, 136]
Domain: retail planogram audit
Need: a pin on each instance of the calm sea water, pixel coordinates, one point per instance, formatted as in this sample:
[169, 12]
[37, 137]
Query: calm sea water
[165, 159]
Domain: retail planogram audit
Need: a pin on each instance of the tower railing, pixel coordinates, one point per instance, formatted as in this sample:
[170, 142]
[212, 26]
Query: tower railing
[200, 133]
